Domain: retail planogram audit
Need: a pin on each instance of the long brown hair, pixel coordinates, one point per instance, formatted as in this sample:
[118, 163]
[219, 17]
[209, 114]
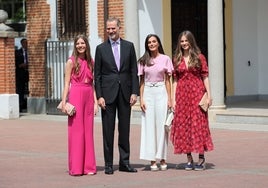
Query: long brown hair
[145, 59]
[194, 50]
[88, 57]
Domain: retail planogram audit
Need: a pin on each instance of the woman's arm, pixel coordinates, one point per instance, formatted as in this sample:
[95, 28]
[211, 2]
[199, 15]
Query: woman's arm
[168, 87]
[142, 103]
[174, 86]
[67, 78]
[207, 86]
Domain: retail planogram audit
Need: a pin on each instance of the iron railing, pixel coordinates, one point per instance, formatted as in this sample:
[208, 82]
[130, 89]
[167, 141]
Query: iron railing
[57, 53]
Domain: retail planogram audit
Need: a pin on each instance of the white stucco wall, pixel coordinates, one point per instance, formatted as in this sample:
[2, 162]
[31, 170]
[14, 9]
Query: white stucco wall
[150, 20]
[250, 27]
[263, 46]
[245, 42]
[53, 16]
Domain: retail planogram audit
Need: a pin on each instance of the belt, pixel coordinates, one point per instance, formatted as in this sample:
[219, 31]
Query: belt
[154, 84]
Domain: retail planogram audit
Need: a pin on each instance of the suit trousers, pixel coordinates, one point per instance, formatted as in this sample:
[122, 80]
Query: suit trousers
[122, 108]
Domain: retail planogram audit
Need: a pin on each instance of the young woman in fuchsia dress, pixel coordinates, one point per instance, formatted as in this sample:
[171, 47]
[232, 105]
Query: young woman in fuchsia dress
[79, 91]
[190, 129]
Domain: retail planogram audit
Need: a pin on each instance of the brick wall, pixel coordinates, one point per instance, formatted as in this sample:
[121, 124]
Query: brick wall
[38, 30]
[7, 66]
[115, 8]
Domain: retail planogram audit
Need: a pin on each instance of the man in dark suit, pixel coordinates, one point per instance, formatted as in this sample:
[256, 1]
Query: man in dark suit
[117, 87]
[22, 74]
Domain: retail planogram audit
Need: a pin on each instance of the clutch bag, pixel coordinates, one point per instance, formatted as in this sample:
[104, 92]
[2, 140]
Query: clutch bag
[203, 102]
[70, 109]
[168, 122]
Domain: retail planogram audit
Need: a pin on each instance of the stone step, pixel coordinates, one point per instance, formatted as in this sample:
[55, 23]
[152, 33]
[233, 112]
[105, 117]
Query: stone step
[232, 115]
[242, 116]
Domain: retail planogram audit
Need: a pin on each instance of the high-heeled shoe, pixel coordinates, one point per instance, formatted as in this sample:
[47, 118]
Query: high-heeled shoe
[201, 165]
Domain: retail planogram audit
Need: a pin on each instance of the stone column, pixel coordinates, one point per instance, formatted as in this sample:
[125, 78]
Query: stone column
[9, 108]
[216, 53]
[93, 25]
[132, 23]
[132, 34]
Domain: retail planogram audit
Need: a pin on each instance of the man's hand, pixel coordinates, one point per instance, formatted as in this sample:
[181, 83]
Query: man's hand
[133, 99]
[101, 103]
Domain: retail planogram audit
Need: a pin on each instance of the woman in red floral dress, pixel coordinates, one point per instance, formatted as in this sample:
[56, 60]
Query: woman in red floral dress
[190, 130]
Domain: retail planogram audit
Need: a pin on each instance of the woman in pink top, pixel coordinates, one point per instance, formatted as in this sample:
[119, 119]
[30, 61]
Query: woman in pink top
[79, 91]
[154, 69]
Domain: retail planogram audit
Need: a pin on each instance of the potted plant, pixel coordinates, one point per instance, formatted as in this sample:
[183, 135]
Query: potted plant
[18, 21]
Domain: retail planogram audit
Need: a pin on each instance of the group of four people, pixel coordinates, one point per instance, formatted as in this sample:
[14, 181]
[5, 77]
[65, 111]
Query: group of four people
[113, 81]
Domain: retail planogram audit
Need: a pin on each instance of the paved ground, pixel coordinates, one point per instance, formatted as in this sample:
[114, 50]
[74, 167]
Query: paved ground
[33, 154]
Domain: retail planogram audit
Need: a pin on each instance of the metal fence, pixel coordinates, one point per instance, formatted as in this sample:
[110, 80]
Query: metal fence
[57, 53]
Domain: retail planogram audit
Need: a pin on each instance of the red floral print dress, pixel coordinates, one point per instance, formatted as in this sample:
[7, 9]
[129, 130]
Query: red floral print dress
[190, 129]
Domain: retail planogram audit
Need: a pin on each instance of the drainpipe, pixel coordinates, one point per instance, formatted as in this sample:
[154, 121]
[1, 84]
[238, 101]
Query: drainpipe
[106, 14]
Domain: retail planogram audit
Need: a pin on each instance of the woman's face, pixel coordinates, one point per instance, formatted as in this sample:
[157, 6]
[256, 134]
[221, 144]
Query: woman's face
[80, 46]
[185, 45]
[153, 44]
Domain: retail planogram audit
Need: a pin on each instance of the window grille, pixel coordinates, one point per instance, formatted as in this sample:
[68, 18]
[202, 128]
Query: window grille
[71, 18]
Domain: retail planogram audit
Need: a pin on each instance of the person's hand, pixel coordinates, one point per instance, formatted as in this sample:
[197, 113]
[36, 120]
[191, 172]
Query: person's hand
[143, 106]
[23, 65]
[63, 109]
[169, 104]
[96, 109]
[101, 103]
[173, 106]
[133, 99]
[209, 101]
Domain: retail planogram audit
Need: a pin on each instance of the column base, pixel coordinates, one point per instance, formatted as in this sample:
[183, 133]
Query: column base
[36, 105]
[9, 108]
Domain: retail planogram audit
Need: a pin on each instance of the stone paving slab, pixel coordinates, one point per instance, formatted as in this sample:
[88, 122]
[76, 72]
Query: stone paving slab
[33, 154]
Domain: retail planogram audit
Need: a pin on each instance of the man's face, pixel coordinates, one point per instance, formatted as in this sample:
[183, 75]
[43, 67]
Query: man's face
[24, 44]
[112, 30]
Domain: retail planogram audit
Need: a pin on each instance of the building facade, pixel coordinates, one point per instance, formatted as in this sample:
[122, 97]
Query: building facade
[231, 33]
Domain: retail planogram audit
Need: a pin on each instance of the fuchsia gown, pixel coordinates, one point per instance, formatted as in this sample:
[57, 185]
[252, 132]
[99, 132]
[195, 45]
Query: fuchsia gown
[81, 150]
[190, 128]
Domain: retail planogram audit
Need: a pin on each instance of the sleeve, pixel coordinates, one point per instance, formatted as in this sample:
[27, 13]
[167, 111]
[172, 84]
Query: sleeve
[169, 66]
[204, 66]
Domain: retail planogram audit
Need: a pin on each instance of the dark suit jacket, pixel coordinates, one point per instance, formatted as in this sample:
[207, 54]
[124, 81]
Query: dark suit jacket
[22, 74]
[108, 80]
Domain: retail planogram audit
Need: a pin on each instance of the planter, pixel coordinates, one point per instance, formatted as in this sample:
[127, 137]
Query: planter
[19, 27]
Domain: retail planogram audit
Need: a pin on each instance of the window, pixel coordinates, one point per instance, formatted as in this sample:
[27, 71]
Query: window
[71, 18]
[15, 10]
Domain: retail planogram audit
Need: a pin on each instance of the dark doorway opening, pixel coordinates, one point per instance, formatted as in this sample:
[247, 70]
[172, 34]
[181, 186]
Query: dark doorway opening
[190, 15]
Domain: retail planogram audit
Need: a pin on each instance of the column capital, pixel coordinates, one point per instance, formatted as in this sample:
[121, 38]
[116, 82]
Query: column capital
[8, 34]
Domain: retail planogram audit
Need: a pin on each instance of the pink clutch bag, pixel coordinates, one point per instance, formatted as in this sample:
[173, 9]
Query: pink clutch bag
[203, 102]
[70, 109]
